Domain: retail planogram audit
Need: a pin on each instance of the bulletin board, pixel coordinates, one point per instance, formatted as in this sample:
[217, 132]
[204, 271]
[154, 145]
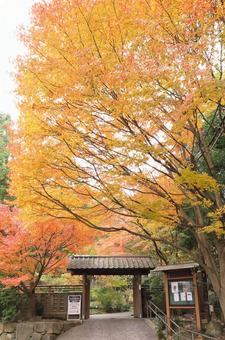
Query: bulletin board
[181, 293]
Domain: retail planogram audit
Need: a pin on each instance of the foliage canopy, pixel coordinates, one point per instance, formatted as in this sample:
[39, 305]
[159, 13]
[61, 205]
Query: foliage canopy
[122, 110]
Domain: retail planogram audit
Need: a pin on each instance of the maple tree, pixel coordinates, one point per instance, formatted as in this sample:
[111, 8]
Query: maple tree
[117, 100]
[112, 243]
[26, 253]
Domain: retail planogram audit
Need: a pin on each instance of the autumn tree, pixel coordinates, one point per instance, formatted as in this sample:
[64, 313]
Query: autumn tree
[4, 155]
[26, 253]
[114, 98]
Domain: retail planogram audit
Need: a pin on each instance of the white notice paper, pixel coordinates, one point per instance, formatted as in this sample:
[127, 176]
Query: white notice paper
[183, 296]
[189, 296]
[74, 305]
[174, 287]
[176, 297]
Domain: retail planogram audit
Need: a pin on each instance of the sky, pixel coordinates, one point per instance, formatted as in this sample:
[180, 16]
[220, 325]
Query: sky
[13, 13]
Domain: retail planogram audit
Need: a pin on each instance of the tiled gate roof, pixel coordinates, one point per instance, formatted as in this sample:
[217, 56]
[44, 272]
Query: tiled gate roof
[81, 264]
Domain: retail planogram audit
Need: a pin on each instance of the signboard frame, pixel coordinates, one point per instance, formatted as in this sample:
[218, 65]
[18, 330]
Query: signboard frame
[181, 292]
[74, 306]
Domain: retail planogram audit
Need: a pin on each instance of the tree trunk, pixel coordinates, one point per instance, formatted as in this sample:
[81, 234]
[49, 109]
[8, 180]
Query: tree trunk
[31, 305]
[222, 303]
[219, 291]
[214, 267]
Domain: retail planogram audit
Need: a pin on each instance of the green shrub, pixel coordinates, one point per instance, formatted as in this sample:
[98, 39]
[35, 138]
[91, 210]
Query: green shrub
[109, 300]
[161, 335]
[160, 330]
[10, 301]
[154, 284]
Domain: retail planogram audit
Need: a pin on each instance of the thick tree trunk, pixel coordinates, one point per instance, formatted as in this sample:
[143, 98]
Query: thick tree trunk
[219, 288]
[222, 303]
[31, 306]
[214, 266]
[221, 292]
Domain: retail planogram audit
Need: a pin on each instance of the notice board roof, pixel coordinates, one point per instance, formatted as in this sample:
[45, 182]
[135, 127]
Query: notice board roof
[174, 267]
[109, 265]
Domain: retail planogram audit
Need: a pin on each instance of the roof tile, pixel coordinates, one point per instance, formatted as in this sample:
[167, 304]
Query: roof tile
[120, 262]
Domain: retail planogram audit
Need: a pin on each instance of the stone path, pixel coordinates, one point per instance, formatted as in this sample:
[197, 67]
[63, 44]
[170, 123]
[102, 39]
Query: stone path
[114, 328]
[121, 315]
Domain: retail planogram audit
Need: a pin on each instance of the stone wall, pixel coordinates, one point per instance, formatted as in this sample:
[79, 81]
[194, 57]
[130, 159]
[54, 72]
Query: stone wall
[35, 330]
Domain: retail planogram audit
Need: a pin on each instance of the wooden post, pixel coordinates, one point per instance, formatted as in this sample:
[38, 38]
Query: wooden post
[137, 303]
[197, 305]
[167, 296]
[86, 297]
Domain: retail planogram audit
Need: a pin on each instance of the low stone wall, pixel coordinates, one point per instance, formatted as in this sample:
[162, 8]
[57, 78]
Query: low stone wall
[35, 330]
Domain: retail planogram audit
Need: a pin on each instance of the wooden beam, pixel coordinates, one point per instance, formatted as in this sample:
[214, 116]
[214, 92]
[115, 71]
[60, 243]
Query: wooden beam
[110, 271]
[166, 287]
[137, 303]
[197, 304]
[86, 297]
[182, 307]
[175, 278]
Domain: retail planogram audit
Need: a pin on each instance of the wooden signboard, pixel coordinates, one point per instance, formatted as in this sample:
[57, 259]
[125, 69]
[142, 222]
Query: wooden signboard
[181, 290]
[181, 293]
[74, 307]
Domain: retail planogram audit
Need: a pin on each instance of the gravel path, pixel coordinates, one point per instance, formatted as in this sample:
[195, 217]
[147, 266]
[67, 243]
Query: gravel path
[110, 329]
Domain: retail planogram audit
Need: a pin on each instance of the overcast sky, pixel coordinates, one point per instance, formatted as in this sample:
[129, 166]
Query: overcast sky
[12, 14]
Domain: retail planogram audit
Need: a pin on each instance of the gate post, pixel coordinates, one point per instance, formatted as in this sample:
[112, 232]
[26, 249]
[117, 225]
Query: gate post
[86, 297]
[137, 296]
[197, 305]
[167, 296]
